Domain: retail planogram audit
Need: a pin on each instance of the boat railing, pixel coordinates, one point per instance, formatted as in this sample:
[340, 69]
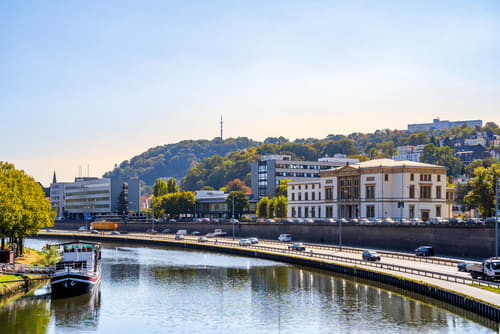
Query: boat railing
[21, 268]
[72, 266]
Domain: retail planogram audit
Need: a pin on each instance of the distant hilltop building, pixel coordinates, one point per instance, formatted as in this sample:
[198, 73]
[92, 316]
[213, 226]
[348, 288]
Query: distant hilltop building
[438, 124]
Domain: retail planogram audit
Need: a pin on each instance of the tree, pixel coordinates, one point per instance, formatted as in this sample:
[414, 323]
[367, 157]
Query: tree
[282, 188]
[280, 206]
[207, 188]
[178, 203]
[50, 256]
[418, 138]
[24, 210]
[442, 156]
[160, 188]
[262, 207]
[237, 185]
[172, 186]
[482, 193]
[157, 206]
[240, 202]
[122, 203]
[271, 207]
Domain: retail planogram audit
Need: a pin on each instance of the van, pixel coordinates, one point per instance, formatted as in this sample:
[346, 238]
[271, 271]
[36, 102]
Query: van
[285, 238]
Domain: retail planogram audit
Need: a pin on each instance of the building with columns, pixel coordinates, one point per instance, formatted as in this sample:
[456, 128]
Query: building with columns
[381, 188]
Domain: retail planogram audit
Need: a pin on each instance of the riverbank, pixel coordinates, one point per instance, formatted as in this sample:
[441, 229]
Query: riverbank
[479, 301]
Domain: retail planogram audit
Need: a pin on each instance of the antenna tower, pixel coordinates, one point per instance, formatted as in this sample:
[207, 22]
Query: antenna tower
[221, 137]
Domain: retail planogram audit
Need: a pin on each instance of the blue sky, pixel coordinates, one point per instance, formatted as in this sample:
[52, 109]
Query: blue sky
[98, 82]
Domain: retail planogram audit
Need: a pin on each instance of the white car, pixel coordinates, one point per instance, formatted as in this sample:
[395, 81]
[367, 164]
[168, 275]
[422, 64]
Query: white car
[285, 238]
[254, 240]
[179, 237]
[245, 242]
[234, 221]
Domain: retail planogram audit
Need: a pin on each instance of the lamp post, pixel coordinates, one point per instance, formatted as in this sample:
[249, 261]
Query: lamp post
[496, 215]
[152, 214]
[233, 217]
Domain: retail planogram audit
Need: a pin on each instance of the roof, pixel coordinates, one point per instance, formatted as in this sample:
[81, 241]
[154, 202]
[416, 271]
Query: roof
[387, 163]
[77, 242]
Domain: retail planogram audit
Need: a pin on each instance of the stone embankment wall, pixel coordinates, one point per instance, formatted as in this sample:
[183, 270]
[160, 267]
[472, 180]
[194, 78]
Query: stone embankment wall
[459, 241]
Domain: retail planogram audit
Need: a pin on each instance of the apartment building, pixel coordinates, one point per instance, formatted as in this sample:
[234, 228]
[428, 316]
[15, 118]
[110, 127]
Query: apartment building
[271, 169]
[438, 124]
[379, 188]
[409, 152]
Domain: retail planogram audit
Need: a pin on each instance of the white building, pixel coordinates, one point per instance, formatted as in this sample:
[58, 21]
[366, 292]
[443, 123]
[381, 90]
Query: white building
[88, 195]
[379, 188]
[438, 124]
[475, 141]
[409, 152]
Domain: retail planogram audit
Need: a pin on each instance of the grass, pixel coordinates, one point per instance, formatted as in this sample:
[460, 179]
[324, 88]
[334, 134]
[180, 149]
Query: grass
[30, 256]
[6, 278]
[484, 287]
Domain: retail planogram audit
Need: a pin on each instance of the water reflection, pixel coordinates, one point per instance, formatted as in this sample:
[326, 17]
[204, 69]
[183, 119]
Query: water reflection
[170, 290]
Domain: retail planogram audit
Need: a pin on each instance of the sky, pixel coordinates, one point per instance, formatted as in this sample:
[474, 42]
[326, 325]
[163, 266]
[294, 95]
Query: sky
[93, 83]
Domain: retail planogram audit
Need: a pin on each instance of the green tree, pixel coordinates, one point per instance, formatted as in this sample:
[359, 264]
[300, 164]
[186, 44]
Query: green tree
[482, 193]
[207, 188]
[282, 188]
[50, 256]
[280, 206]
[172, 186]
[240, 202]
[158, 210]
[418, 138]
[442, 156]
[262, 207]
[24, 210]
[160, 188]
[271, 207]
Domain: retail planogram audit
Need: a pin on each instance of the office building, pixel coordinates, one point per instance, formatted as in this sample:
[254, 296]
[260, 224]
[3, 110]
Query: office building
[438, 124]
[271, 169]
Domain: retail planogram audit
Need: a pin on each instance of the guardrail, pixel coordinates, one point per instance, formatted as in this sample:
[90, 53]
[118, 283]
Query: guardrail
[393, 267]
[20, 268]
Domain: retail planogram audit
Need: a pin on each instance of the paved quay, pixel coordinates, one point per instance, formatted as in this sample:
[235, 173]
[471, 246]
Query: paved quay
[345, 257]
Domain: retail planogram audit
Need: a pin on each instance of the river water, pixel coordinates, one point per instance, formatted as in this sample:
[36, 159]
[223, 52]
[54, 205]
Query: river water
[166, 290]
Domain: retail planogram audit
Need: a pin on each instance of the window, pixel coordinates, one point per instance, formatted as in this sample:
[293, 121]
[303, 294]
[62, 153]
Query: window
[306, 186]
[293, 197]
[421, 177]
[425, 192]
[306, 196]
[370, 211]
[300, 187]
[313, 185]
[386, 177]
[438, 192]
[328, 194]
[329, 212]
[439, 178]
[313, 212]
[313, 196]
[319, 195]
[412, 177]
[293, 187]
[412, 211]
[306, 212]
[299, 212]
[438, 210]
[370, 192]
[300, 197]
[412, 191]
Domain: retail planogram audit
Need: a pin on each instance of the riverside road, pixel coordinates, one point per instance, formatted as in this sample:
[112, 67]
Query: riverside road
[439, 272]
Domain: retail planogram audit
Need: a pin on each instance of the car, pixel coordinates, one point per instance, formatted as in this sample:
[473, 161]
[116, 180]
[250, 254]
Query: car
[165, 230]
[330, 221]
[342, 220]
[298, 221]
[48, 230]
[439, 220]
[463, 266]
[82, 228]
[202, 239]
[457, 220]
[378, 221]
[417, 221]
[253, 240]
[205, 220]
[245, 242]
[389, 220]
[214, 221]
[183, 232]
[364, 221]
[309, 221]
[370, 256]
[285, 237]
[210, 235]
[172, 220]
[354, 221]
[94, 231]
[115, 232]
[197, 220]
[424, 251]
[234, 221]
[260, 221]
[195, 233]
[150, 230]
[405, 221]
[475, 221]
[179, 237]
[491, 220]
[288, 221]
[270, 221]
[297, 246]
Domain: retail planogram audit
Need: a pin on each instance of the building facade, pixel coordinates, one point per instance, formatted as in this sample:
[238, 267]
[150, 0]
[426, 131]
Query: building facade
[211, 204]
[409, 152]
[381, 188]
[438, 124]
[271, 169]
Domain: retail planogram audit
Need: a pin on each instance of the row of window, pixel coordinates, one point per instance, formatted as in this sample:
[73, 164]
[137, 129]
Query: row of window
[312, 212]
[294, 174]
[306, 196]
[306, 186]
[295, 166]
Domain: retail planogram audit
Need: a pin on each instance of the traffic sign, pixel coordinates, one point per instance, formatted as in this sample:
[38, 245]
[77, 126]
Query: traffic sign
[87, 216]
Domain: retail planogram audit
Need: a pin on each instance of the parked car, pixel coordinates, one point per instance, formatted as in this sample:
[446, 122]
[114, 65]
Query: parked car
[342, 220]
[94, 231]
[48, 230]
[463, 266]
[298, 220]
[270, 221]
[297, 246]
[417, 221]
[179, 237]
[183, 232]
[309, 221]
[115, 232]
[260, 220]
[457, 220]
[424, 251]
[245, 242]
[354, 221]
[195, 233]
[205, 220]
[364, 221]
[214, 221]
[202, 239]
[389, 220]
[253, 240]
[370, 256]
[378, 221]
[150, 230]
[197, 220]
[172, 220]
[439, 220]
[491, 220]
[233, 221]
[474, 221]
[285, 237]
[165, 230]
[82, 228]
[330, 221]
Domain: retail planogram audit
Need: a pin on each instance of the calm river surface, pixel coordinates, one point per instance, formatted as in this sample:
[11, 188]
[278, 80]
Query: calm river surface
[155, 290]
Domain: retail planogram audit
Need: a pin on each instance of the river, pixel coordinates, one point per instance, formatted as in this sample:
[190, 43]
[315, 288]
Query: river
[167, 290]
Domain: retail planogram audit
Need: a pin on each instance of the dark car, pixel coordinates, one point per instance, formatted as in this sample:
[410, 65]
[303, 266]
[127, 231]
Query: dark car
[463, 266]
[370, 256]
[424, 251]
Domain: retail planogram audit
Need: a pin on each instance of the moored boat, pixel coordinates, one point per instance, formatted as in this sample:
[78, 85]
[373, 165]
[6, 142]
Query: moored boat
[79, 271]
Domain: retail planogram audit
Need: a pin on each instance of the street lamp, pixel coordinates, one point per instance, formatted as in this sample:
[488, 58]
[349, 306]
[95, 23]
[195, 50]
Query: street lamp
[234, 221]
[496, 215]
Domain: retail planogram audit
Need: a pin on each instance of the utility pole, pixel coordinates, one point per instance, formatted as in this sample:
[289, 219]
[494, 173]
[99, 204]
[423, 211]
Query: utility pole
[234, 222]
[496, 215]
